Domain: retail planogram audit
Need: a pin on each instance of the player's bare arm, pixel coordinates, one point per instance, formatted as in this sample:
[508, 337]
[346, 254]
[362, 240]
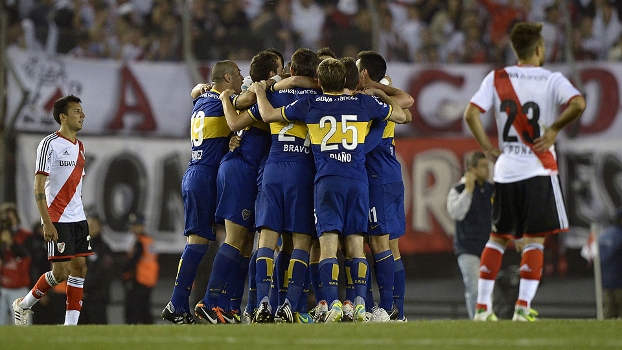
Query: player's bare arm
[398, 115]
[471, 116]
[268, 113]
[571, 113]
[245, 100]
[297, 81]
[49, 231]
[403, 99]
[199, 89]
[234, 120]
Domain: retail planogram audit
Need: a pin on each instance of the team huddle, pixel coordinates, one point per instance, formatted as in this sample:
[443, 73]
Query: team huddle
[306, 158]
[312, 153]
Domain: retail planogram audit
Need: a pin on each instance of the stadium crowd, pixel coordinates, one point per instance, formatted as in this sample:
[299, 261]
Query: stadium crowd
[419, 31]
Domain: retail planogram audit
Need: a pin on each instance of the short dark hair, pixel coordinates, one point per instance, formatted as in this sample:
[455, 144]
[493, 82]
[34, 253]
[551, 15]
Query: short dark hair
[525, 37]
[262, 64]
[474, 158]
[278, 53]
[352, 72]
[60, 106]
[305, 62]
[326, 51]
[332, 75]
[374, 63]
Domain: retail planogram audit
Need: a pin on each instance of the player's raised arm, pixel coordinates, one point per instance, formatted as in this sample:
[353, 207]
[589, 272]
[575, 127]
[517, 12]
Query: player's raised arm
[296, 81]
[398, 115]
[198, 89]
[234, 120]
[268, 113]
[402, 97]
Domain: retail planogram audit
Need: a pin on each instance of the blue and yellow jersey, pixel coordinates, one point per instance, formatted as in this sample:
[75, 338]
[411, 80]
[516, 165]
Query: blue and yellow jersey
[209, 132]
[255, 142]
[290, 140]
[382, 165]
[338, 126]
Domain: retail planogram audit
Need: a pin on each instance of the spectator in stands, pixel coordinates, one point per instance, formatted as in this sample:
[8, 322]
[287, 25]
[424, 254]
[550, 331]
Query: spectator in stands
[273, 28]
[308, 20]
[610, 248]
[586, 44]
[553, 33]
[607, 26]
[410, 32]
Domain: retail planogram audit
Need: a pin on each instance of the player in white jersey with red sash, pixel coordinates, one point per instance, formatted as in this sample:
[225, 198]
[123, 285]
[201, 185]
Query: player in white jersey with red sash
[528, 201]
[58, 193]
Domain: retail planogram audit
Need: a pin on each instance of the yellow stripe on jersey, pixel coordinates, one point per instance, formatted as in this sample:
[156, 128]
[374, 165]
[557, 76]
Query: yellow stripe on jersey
[336, 133]
[295, 128]
[202, 128]
[389, 130]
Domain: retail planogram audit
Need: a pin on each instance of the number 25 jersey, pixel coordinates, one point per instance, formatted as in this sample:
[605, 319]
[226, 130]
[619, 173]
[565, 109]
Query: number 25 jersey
[525, 101]
[338, 126]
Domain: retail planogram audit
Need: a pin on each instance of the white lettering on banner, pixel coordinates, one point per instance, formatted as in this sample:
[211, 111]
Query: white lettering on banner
[153, 97]
[433, 173]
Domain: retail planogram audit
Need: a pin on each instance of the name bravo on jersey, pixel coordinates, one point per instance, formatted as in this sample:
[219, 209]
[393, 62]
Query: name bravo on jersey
[295, 148]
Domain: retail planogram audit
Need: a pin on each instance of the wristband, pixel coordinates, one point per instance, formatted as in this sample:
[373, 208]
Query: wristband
[276, 78]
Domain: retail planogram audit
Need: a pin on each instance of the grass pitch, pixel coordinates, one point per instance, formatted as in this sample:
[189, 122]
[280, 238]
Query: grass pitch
[546, 334]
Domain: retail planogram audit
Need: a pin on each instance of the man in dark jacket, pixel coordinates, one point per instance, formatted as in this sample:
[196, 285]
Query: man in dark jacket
[469, 203]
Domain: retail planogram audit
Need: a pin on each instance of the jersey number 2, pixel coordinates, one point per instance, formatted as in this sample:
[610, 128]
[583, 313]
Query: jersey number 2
[511, 108]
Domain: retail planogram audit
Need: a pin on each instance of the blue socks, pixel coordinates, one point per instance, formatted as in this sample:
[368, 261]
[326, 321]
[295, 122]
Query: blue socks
[329, 274]
[385, 275]
[186, 273]
[297, 272]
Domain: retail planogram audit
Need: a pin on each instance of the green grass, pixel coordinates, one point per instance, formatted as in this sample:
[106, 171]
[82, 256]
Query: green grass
[546, 334]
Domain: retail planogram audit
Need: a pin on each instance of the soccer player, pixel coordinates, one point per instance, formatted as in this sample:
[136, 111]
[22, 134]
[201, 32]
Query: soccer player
[58, 194]
[209, 135]
[285, 205]
[527, 200]
[387, 220]
[237, 192]
[337, 126]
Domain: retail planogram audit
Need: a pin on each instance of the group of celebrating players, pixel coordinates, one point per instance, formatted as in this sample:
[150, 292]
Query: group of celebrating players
[311, 166]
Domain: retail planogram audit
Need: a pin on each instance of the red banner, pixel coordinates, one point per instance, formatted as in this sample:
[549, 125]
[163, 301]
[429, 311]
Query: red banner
[430, 166]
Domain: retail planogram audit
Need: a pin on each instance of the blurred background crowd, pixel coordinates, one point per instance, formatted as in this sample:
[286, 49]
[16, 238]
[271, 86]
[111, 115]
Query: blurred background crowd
[418, 31]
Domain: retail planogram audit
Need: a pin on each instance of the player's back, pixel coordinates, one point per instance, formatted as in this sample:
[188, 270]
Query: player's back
[525, 100]
[337, 127]
[290, 140]
[209, 132]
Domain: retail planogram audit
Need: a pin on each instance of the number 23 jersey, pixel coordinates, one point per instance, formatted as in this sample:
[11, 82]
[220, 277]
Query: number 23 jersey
[525, 101]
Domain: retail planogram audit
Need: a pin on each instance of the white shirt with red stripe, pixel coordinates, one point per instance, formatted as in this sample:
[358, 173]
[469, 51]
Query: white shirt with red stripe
[63, 162]
[526, 101]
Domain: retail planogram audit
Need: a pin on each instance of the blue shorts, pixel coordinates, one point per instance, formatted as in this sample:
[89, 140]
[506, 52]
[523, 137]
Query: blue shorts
[237, 191]
[198, 190]
[386, 210]
[285, 202]
[341, 204]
